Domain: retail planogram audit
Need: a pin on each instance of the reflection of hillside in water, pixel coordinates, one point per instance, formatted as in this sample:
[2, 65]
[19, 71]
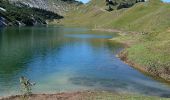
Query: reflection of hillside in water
[17, 45]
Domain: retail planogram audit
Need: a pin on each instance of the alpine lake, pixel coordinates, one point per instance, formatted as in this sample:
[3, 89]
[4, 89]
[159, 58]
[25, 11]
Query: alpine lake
[64, 59]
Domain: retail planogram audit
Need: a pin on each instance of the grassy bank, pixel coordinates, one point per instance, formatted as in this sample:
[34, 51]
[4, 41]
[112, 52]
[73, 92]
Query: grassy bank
[83, 96]
[146, 29]
[148, 53]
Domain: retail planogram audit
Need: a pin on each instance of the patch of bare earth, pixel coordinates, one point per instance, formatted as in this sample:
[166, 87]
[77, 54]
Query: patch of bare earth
[86, 95]
[168, 30]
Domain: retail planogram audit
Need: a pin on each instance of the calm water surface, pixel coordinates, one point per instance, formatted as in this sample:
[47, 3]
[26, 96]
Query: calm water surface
[68, 59]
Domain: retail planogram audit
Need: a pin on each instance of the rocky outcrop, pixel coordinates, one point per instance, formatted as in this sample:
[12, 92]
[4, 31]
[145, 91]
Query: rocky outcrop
[23, 15]
[58, 6]
[2, 19]
[24, 22]
[33, 12]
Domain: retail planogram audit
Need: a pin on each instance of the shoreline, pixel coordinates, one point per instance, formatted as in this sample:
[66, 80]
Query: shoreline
[123, 55]
[84, 95]
[43, 96]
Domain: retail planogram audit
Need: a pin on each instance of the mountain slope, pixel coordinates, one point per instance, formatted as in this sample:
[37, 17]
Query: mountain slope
[147, 16]
[23, 15]
[57, 6]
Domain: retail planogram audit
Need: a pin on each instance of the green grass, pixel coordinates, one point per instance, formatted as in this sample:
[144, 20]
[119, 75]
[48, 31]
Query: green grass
[111, 96]
[151, 51]
[148, 16]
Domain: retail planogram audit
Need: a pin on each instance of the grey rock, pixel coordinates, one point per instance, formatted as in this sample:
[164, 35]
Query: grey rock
[58, 6]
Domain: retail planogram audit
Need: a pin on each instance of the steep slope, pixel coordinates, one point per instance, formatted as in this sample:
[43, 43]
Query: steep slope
[94, 14]
[22, 15]
[147, 16]
[57, 6]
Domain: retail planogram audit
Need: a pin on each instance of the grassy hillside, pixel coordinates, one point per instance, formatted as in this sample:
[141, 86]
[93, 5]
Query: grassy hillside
[148, 25]
[148, 16]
